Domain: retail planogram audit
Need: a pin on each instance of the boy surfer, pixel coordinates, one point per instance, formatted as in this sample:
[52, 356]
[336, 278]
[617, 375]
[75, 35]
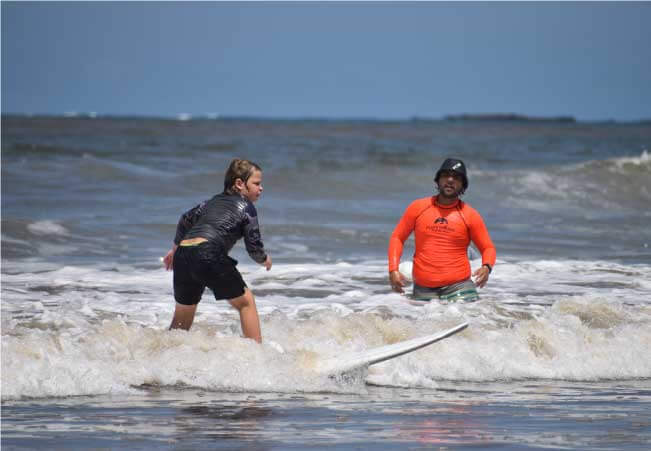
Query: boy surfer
[205, 235]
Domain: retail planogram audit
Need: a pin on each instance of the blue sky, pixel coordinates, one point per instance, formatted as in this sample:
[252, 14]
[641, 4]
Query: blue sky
[336, 60]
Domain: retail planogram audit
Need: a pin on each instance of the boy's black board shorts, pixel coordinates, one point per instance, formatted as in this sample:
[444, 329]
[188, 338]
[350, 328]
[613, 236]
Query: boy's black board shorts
[205, 265]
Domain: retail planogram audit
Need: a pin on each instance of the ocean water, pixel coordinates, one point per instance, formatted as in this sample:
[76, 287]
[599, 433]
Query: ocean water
[556, 354]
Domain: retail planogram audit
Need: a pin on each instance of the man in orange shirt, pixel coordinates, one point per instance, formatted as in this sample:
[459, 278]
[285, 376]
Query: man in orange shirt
[443, 226]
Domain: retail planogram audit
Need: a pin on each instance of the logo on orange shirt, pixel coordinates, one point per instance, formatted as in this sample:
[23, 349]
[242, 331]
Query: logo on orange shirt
[440, 225]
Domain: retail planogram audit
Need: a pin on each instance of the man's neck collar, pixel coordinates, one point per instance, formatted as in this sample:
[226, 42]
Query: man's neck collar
[452, 204]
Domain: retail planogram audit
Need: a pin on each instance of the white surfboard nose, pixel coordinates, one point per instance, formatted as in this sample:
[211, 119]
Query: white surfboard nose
[350, 362]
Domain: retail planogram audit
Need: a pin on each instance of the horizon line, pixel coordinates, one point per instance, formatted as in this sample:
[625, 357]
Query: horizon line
[461, 117]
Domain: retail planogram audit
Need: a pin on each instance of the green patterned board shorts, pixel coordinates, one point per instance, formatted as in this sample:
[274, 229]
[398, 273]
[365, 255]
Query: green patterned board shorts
[462, 291]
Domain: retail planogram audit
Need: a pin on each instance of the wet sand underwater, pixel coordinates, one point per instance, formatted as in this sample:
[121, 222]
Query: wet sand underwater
[459, 415]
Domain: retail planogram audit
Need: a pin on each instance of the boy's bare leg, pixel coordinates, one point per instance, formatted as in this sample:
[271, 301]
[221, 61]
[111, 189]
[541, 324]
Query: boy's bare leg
[183, 316]
[249, 319]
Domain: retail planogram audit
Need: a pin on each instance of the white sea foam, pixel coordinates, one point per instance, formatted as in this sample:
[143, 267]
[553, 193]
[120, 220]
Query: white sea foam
[90, 330]
[643, 159]
[47, 227]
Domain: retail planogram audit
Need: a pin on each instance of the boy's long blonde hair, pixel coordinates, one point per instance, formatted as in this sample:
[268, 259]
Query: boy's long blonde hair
[238, 169]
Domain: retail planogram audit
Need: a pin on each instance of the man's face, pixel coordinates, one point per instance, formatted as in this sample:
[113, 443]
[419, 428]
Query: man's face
[450, 183]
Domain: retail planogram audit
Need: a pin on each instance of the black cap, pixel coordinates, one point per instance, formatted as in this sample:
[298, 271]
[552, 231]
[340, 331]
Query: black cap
[452, 164]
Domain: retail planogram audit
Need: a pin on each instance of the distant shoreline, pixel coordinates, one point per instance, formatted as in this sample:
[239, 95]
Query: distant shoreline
[464, 117]
[508, 117]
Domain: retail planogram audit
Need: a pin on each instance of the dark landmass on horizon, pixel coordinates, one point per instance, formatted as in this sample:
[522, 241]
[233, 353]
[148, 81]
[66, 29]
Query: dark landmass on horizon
[464, 117]
[507, 117]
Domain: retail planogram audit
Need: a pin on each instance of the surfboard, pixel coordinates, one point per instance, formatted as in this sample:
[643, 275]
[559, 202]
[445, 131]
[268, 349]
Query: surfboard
[353, 361]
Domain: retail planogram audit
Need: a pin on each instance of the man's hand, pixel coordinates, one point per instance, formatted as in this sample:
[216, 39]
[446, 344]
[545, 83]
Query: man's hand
[168, 260]
[481, 276]
[397, 281]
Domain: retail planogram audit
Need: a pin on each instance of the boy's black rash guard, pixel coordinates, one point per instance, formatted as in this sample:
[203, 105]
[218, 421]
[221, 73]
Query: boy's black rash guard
[223, 220]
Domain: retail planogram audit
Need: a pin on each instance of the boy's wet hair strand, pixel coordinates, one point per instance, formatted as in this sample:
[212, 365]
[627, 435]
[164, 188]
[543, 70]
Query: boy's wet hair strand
[238, 169]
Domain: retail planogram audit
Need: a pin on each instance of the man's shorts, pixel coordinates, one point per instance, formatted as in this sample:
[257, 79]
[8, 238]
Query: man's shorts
[205, 265]
[462, 291]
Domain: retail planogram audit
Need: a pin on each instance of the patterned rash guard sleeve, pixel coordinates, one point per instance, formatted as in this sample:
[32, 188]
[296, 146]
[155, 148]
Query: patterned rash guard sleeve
[187, 220]
[252, 236]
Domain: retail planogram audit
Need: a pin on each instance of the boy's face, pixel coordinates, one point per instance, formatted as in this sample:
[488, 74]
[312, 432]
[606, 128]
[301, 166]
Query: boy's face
[252, 189]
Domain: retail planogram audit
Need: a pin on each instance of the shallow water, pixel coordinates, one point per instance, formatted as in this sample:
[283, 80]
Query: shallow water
[556, 354]
[460, 415]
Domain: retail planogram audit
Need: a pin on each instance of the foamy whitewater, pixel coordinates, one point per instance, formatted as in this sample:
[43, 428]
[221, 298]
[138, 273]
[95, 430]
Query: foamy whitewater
[82, 331]
[89, 207]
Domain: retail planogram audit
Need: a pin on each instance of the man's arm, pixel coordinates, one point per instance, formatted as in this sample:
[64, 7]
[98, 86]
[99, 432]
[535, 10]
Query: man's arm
[479, 235]
[403, 229]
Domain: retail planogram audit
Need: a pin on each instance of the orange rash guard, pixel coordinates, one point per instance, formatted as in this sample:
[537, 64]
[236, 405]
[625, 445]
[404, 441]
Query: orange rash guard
[442, 236]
